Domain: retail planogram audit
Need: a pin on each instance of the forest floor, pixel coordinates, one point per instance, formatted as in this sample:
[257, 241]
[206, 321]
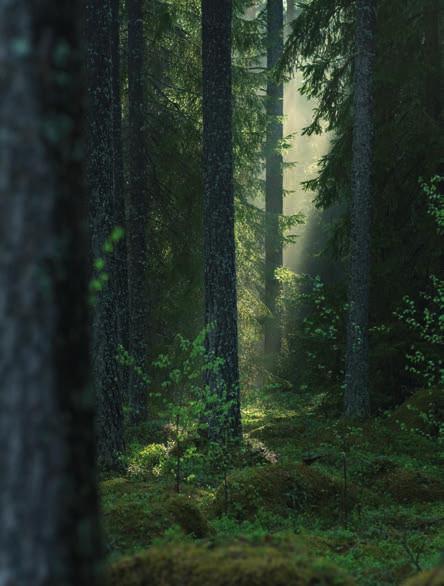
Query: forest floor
[369, 498]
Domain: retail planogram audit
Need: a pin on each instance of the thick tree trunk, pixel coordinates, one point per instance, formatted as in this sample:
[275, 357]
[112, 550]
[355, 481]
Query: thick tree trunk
[357, 397]
[218, 210]
[121, 252]
[137, 216]
[103, 220]
[274, 176]
[48, 501]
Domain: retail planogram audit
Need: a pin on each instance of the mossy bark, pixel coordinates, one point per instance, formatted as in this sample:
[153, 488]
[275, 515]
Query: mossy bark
[48, 503]
[218, 214]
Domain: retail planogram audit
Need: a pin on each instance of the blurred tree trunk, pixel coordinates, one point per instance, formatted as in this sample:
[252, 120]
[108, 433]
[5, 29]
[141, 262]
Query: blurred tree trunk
[218, 211]
[274, 175]
[103, 220]
[137, 213]
[357, 396]
[48, 500]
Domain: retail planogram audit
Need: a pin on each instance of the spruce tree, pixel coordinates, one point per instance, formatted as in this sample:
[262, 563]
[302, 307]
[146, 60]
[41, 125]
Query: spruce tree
[103, 220]
[218, 213]
[357, 397]
[274, 174]
[137, 211]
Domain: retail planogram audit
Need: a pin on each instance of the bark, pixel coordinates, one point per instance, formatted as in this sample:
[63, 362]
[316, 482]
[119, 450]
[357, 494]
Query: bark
[121, 253]
[137, 216]
[291, 11]
[434, 84]
[48, 500]
[274, 175]
[218, 211]
[357, 396]
[103, 219]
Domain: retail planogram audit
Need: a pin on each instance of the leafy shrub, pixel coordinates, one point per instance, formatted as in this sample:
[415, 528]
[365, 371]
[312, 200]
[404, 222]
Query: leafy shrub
[144, 461]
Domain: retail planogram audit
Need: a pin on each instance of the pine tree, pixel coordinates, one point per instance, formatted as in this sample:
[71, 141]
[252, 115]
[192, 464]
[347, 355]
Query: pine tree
[137, 214]
[103, 220]
[218, 210]
[274, 174]
[48, 500]
[357, 397]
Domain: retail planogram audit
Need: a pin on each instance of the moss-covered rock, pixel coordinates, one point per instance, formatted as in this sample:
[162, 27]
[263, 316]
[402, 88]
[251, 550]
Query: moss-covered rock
[431, 578]
[277, 488]
[133, 514]
[230, 566]
[423, 412]
[188, 516]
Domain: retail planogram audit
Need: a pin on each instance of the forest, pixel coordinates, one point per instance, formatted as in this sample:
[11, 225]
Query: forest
[221, 293]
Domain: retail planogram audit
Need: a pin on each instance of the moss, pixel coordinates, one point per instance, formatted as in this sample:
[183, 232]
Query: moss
[279, 428]
[408, 486]
[423, 412]
[230, 566]
[185, 513]
[431, 578]
[133, 514]
[278, 488]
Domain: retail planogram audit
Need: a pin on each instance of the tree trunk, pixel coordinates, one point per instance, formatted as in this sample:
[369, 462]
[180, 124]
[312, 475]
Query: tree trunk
[218, 212]
[434, 83]
[137, 215]
[274, 175]
[291, 11]
[48, 500]
[121, 253]
[103, 220]
[357, 396]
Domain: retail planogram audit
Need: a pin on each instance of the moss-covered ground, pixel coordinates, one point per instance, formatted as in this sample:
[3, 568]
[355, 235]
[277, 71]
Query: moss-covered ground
[307, 492]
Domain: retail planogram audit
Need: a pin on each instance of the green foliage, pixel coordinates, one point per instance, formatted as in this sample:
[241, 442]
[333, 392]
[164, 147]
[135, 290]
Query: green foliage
[190, 406]
[406, 249]
[314, 338]
[424, 317]
[101, 277]
[145, 461]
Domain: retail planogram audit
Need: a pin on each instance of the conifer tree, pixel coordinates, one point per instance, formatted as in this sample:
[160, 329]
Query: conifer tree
[218, 211]
[357, 398]
[274, 174]
[103, 220]
[137, 213]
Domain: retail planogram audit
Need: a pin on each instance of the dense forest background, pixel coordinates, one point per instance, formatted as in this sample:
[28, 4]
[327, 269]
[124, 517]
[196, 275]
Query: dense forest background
[222, 296]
